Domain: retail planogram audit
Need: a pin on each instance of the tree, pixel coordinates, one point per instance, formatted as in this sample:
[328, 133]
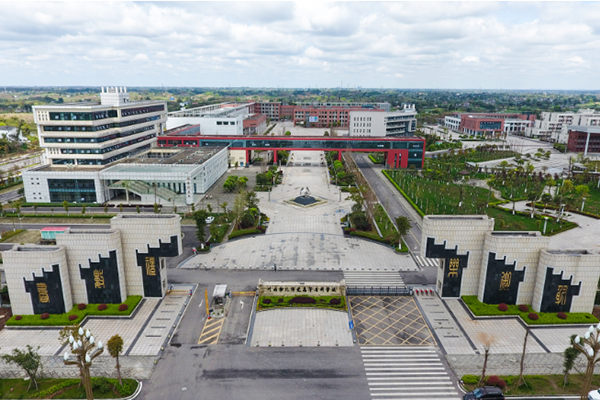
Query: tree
[120, 207]
[589, 346]
[105, 209]
[156, 208]
[137, 209]
[29, 360]
[521, 380]
[238, 207]
[66, 206]
[224, 207]
[570, 355]
[403, 225]
[209, 207]
[35, 206]
[200, 219]
[115, 347]
[487, 341]
[252, 199]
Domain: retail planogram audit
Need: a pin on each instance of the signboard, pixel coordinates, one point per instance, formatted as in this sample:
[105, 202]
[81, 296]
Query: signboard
[313, 119]
[351, 323]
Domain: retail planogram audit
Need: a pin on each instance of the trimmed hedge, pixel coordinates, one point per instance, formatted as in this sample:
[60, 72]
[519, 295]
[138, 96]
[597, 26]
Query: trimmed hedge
[72, 215]
[127, 389]
[63, 319]
[335, 302]
[481, 309]
[523, 308]
[417, 209]
[81, 306]
[553, 207]
[502, 307]
[103, 306]
[88, 205]
[245, 232]
[8, 234]
[123, 307]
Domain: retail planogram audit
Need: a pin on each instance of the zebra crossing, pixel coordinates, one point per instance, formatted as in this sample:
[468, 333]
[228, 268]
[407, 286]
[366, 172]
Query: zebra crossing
[407, 372]
[373, 279]
[426, 262]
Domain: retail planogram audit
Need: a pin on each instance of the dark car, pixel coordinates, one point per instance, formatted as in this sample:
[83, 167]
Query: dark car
[486, 392]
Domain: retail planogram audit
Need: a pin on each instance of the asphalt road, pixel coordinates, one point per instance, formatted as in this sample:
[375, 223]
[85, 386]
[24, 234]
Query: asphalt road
[9, 196]
[240, 372]
[388, 199]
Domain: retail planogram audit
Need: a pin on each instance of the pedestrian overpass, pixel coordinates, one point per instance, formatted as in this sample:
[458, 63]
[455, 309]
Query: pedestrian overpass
[400, 152]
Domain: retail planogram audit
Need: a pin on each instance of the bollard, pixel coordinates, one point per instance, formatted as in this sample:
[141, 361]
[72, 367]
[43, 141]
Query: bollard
[318, 342]
[336, 343]
[300, 343]
[269, 343]
[282, 344]
[257, 345]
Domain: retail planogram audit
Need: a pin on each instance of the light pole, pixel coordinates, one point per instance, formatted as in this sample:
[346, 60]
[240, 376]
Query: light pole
[589, 346]
[582, 204]
[545, 222]
[84, 350]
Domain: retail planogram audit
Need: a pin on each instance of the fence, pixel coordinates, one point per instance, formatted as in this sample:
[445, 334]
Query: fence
[378, 291]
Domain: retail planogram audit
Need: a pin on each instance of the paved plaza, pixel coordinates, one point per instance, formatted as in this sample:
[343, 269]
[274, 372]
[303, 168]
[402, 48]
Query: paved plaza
[309, 327]
[304, 238]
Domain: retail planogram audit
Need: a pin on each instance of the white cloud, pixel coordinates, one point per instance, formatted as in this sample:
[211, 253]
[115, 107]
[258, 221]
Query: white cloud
[496, 44]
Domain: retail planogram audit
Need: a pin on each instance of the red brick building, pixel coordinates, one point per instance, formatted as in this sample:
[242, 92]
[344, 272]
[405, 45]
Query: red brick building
[255, 124]
[584, 139]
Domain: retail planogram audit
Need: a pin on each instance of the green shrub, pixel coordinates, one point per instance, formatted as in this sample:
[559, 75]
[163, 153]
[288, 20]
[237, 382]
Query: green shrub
[470, 379]
[8, 234]
[481, 309]
[417, 209]
[53, 389]
[244, 232]
[63, 319]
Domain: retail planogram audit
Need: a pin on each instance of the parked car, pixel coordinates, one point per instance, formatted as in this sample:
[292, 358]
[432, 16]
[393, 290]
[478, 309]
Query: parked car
[209, 220]
[486, 392]
[594, 395]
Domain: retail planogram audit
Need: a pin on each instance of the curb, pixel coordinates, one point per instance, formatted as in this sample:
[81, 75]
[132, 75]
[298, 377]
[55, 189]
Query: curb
[133, 396]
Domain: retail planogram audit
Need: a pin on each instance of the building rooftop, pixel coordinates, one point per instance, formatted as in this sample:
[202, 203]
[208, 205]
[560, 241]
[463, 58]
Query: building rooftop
[183, 130]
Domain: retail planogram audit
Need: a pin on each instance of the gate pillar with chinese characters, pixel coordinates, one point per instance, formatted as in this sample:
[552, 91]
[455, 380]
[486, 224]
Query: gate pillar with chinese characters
[38, 279]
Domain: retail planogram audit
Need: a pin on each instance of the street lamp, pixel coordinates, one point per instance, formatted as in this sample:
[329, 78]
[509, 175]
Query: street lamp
[589, 346]
[84, 350]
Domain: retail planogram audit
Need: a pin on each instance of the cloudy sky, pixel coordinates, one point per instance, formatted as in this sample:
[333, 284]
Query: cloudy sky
[489, 45]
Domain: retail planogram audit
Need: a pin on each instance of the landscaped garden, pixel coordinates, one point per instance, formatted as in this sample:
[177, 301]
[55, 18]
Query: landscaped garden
[538, 385]
[334, 302]
[524, 311]
[447, 197]
[77, 314]
[50, 388]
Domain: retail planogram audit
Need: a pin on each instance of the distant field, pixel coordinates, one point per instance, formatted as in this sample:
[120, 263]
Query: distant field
[27, 117]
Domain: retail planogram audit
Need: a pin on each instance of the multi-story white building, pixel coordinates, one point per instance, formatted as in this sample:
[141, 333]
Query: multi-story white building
[452, 122]
[381, 123]
[106, 151]
[99, 133]
[224, 119]
[552, 126]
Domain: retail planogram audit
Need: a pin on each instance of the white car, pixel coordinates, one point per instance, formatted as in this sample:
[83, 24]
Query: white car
[209, 220]
[594, 395]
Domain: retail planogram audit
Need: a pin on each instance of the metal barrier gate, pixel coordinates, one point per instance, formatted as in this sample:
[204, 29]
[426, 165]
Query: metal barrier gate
[379, 291]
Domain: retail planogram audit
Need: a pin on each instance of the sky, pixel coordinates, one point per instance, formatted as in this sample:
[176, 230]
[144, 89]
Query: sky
[445, 45]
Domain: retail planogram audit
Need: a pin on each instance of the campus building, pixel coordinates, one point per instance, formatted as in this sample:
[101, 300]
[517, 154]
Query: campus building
[508, 267]
[98, 133]
[584, 139]
[554, 126]
[482, 124]
[93, 265]
[395, 123]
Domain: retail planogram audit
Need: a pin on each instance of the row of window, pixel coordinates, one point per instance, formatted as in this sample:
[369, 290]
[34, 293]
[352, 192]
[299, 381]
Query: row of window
[99, 127]
[81, 161]
[106, 149]
[83, 116]
[225, 122]
[361, 119]
[100, 139]
[141, 110]
[361, 124]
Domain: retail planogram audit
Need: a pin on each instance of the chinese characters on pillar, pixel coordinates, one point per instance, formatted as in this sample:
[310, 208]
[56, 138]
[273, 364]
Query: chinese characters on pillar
[453, 267]
[43, 293]
[561, 295]
[505, 280]
[150, 266]
[99, 279]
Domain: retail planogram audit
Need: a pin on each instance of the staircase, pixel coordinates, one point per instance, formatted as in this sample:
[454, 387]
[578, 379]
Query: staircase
[144, 190]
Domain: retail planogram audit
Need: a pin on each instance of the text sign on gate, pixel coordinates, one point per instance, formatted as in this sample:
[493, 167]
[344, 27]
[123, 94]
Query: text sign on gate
[351, 323]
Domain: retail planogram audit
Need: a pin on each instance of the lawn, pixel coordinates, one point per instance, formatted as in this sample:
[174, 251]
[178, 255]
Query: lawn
[55, 388]
[63, 319]
[539, 384]
[26, 236]
[481, 309]
[435, 197]
[284, 301]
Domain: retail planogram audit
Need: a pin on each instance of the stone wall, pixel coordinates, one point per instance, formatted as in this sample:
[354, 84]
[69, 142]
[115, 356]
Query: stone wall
[33, 266]
[85, 246]
[509, 364]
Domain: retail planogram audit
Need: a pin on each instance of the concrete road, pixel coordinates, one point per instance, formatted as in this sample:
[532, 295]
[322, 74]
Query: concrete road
[240, 372]
[388, 199]
[10, 196]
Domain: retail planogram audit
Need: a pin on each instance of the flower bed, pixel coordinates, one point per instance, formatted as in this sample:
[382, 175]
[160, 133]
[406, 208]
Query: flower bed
[481, 309]
[335, 302]
[66, 318]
